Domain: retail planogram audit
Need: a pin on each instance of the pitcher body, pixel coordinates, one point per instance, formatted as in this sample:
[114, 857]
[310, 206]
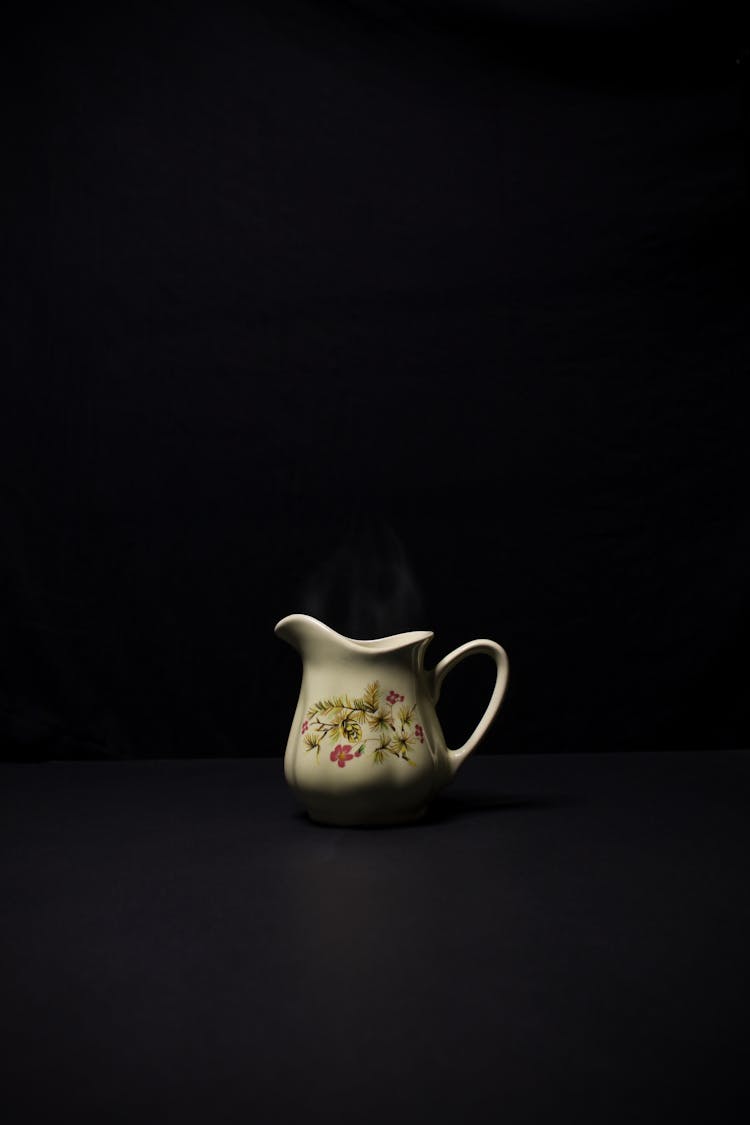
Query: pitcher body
[366, 746]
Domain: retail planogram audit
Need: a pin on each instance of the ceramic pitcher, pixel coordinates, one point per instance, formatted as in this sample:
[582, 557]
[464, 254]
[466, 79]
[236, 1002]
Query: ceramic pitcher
[366, 745]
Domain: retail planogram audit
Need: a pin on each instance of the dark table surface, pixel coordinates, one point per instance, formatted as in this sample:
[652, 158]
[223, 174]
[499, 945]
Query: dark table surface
[566, 937]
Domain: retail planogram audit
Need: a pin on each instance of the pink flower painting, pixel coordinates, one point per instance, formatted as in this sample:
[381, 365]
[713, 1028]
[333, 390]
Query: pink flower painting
[342, 755]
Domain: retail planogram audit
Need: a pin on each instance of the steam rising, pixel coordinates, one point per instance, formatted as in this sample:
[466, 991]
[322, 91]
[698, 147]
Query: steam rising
[366, 588]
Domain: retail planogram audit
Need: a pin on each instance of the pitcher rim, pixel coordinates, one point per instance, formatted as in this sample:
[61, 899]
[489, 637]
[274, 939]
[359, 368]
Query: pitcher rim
[371, 644]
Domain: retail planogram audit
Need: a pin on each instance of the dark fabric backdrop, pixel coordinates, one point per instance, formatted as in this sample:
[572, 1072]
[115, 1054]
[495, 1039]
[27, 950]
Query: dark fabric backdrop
[417, 316]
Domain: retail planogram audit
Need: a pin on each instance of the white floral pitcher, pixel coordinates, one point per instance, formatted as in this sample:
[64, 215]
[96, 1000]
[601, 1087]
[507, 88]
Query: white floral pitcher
[366, 746]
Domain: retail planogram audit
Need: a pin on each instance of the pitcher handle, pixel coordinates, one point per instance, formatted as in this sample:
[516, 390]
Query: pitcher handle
[499, 655]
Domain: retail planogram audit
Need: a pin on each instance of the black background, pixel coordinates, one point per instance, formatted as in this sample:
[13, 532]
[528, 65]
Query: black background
[419, 316]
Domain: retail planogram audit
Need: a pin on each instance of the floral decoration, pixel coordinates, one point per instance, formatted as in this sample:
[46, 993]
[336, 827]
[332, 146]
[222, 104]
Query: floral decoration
[367, 722]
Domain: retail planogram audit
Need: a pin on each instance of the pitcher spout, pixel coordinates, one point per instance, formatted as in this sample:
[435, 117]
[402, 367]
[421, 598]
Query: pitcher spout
[302, 631]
